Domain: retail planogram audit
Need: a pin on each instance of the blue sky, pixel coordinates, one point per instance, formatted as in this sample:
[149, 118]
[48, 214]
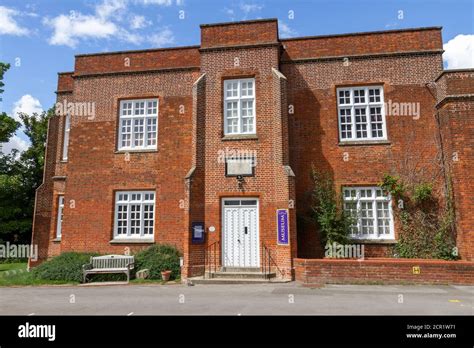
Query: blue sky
[40, 38]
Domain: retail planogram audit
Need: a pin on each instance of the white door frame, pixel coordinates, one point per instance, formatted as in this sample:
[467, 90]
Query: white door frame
[257, 227]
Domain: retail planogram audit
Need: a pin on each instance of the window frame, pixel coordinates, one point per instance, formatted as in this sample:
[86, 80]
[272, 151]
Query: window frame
[142, 202]
[366, 105]
[66, 134]
[239, 99]
[132, 117]
[59, 217]
[374, 199]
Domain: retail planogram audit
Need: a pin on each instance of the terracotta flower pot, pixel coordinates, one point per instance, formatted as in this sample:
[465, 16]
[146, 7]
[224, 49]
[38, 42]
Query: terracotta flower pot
[165, 275]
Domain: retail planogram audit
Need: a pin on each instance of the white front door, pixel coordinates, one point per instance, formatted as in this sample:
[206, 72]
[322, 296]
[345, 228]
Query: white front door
[240, 240]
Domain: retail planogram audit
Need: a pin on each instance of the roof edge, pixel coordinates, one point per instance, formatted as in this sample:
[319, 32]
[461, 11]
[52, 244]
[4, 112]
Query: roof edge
[251, 21]
[376, 32]
[137, 51]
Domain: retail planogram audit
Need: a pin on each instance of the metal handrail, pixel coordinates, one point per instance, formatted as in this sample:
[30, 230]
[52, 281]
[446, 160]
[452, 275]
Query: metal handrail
[267, 261]
[211, 260]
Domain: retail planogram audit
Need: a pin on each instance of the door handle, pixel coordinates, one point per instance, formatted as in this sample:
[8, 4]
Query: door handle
[246, 230]
[238, 240]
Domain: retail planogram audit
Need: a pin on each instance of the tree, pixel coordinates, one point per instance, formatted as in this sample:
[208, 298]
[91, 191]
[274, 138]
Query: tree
[20, 174]
[8, 125]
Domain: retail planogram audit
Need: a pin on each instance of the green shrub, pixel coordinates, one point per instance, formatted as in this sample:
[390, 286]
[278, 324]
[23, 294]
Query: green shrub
[332, 222]
[158, 258]
[422, 192]
[67, 266]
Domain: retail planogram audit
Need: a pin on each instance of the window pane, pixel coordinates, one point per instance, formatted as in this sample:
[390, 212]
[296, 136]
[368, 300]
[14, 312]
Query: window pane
[140, 108]
[151, 131]
[361, 122]
[138, 130]
[374, 95]
[345, 120]
[135, 219]
[376, 122]
[126, 109]
[359, 96]
[344, 97]
[126, 130]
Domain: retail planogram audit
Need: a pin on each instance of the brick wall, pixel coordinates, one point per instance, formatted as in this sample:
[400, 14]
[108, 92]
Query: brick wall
[189, 181]
[314, 137]
[407, 40]
[314, 272]
[456, 119]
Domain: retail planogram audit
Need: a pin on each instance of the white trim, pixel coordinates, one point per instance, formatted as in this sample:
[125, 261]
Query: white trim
[59, 216]
[366, 105]
[67, 129]
[239, 99]
[145, 117]
[374, 200]
[128, 203]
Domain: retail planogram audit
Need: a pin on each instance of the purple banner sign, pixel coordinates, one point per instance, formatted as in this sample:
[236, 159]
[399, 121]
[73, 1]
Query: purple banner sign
[282, 226]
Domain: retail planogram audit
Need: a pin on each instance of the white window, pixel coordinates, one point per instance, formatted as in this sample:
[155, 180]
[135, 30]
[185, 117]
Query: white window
[59, 217]
[67, 128]
[371, 211]
[138, 124]
[361, 113]
[239, 106]
[134, 214]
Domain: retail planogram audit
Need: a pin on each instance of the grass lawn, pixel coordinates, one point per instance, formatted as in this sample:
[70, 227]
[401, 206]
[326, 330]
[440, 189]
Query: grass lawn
[15, 274]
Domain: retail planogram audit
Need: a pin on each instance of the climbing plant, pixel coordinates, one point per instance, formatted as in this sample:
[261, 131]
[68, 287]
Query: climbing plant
[333, 224]
[426, 229]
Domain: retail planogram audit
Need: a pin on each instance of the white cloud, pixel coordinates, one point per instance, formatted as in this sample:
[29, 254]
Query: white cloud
[161, 38]
[108, 8]
[459, 52]
[285, 30]
[15, 143]
[247, 8]
[105, 23]
[26, 104]
[160, 2]
[8, 24]
[68, 30]
[139, 22]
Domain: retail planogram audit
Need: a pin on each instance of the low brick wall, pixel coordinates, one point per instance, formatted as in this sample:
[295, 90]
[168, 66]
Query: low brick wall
[383, 271]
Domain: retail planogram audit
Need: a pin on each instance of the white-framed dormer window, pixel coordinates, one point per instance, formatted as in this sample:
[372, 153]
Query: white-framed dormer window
[138, 124]
[67, 128]
[371, 210]
[361, 113]
[134, 215]
[239, 106]
[59, 217]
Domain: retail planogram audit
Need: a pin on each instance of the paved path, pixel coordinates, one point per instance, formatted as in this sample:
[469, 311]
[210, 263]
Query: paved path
[287, 298]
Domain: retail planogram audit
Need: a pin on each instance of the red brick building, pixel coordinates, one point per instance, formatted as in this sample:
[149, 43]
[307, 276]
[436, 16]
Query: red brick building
[210, 148]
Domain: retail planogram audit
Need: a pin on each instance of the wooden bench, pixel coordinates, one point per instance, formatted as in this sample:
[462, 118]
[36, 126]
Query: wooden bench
[109, 264]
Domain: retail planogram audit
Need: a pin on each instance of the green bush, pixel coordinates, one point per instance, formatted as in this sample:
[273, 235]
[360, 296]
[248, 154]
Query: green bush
[158, 258]
[67, 266]
[333, 223]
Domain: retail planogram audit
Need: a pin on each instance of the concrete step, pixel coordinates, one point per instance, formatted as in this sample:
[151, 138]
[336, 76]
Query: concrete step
[241, 275]
[230, 281]
[241, 269]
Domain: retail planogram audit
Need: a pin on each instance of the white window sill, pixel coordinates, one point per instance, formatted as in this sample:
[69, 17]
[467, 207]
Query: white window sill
[240, 137]
[373, 241]
[135, 150]
[132, 241]
[364, 142]
[56, 239]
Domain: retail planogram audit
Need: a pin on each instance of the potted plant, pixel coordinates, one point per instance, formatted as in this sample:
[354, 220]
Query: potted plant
[165, 275]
